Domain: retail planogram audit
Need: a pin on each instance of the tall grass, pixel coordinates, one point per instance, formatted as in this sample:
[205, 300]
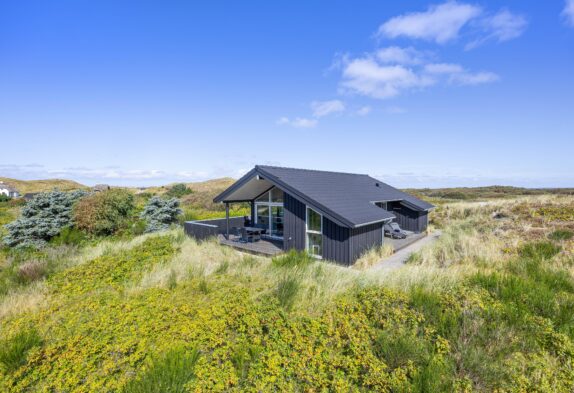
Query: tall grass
[14, 350]
[286, 291]
[168, 373]
[373, 255]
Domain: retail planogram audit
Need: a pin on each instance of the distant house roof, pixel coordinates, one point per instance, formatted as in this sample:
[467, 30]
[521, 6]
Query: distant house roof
[101, 187]
[346, 198]
[7, 187]
[30, 195]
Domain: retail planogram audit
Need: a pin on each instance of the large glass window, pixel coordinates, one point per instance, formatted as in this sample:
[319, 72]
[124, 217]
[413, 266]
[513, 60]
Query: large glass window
[263, 198]
[314, 233]
[276, 195]
[263, 215]
[269, 212]
[277, 221]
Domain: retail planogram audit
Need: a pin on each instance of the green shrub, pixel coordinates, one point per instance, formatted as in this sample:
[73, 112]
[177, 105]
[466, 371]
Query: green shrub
[539, 250]
[138, 227]
[4, 198]
[14, 350]
[242, 358]
[203, 286]
[561, 234]
[42, 218]
[69, 236]
[222, 268]
[293, 258]
[178, 190]
[166, 374]
[286, 292]
[103, 213]
[172, 280]
[160, 213]
[397, 347]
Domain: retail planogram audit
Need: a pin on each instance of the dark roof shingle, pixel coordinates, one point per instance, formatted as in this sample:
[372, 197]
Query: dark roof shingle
[347, 197]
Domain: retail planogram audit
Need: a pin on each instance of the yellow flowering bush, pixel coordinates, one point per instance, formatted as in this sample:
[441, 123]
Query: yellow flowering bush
[502, 331]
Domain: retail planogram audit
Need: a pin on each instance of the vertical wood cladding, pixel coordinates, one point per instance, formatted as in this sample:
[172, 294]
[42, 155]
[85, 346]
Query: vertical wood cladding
[336, 242]
[340, 244]
[363, 238]
[294, 223]
[408, 219]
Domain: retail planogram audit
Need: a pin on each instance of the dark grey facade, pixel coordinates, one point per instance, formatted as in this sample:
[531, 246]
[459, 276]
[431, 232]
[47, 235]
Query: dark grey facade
[294, 223]
[407, 218]
[364, 238]
[354, 209]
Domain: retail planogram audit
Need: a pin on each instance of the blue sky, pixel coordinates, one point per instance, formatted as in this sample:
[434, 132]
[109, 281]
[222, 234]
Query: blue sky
[424, 94]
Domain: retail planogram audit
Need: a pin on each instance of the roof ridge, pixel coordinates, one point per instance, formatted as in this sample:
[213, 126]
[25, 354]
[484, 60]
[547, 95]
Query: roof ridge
[310, 170]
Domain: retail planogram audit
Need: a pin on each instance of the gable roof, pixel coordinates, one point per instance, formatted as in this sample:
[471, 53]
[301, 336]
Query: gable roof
[346, 198]
[8, 187]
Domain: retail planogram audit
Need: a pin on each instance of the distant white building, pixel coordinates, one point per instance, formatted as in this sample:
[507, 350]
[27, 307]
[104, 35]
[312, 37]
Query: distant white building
[8, 190]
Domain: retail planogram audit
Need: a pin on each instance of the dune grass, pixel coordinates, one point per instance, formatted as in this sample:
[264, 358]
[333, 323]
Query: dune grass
[168, 373]
[13, 350]
[488, 307]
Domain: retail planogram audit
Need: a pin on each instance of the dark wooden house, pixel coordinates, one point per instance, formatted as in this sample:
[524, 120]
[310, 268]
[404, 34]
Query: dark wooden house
[335, 216]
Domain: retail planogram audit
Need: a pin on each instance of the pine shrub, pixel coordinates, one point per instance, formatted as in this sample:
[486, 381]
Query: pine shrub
[42, 218]
[160, 213]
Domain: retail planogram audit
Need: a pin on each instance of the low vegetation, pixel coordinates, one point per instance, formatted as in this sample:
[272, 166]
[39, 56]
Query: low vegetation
[488, 307]
[104, 213]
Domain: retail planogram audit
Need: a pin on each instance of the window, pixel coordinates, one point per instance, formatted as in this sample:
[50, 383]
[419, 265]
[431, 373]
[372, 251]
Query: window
[276, 195]
[263, 198]
[269, 212]
[263, 215]
[314, 233]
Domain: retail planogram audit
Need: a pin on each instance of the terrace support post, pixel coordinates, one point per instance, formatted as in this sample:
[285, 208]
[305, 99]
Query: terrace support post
[227, 220]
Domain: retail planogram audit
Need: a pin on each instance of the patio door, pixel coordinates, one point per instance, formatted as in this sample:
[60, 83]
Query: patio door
[269, 212]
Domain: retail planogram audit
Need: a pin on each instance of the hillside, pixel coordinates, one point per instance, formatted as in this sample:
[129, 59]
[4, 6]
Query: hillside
[26, 186]
[489, 192]
[202, 192]
[486, 308]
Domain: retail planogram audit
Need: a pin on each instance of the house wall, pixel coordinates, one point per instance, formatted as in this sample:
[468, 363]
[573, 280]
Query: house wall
[340, 244]
[294, 223]
[408, 219]
[364, 238]
[336, 245]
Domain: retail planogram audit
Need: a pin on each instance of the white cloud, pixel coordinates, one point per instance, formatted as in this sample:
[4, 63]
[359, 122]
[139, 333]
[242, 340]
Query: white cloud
[502, 26]
[459, 76]
[443, 68]
[568, 12]
[367, 77]
[364, 111]
[298, 122]
[397, 55]
[324, 108]
[506, 25]
[440, 23]
[471, 79]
